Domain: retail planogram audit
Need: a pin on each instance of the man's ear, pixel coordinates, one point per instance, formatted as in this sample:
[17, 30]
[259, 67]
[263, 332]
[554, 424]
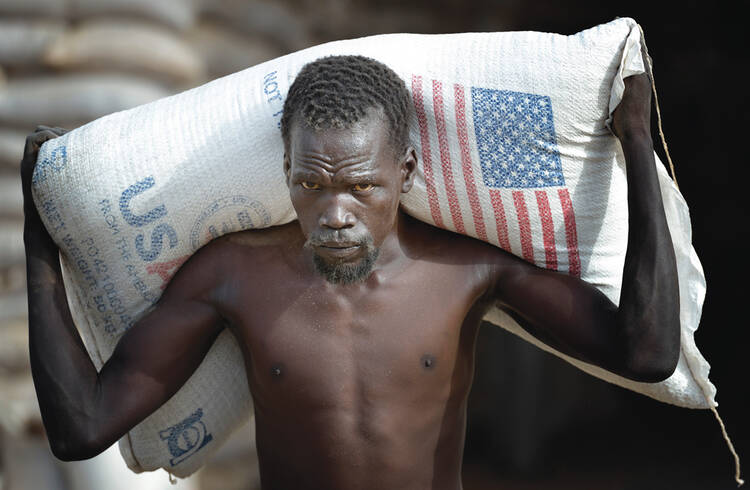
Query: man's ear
[408, 169]
[287, 168]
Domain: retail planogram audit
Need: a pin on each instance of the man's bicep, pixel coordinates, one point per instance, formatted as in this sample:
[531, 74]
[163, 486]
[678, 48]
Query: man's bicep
[152, 361]
[155, 357]
[563, 311]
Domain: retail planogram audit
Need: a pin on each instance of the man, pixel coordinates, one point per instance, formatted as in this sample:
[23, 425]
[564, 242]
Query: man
[357, 323]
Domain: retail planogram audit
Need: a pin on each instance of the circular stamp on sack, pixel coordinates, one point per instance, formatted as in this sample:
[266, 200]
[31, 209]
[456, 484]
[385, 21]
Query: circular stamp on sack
[227, 215]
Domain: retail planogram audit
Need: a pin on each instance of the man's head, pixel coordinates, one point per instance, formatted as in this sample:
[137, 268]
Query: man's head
[336, 91]
[347, 160]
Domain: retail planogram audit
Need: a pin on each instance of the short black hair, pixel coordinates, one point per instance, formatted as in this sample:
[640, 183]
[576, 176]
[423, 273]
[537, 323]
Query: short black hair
[338, 91]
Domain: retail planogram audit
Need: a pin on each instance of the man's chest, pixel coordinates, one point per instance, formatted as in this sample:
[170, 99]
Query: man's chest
[403, 340]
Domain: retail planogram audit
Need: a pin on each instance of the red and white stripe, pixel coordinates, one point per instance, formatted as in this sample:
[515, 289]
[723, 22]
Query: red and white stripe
[536, 224]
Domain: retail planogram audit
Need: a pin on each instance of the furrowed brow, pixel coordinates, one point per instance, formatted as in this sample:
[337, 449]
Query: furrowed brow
[309, 174]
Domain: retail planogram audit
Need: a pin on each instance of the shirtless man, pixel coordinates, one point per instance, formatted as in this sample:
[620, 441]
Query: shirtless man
[357, 323]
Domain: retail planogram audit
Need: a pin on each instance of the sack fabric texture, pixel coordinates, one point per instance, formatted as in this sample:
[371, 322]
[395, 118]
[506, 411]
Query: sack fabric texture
[511, 130]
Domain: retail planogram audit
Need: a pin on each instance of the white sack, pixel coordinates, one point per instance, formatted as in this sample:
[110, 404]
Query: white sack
[155, 183]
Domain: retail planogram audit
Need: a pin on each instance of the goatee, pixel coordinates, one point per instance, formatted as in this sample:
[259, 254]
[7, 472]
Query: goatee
[346, 273]
[339, 271]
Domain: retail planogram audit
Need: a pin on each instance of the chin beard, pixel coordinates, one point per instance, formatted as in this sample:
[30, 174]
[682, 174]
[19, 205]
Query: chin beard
[347, 273]
[341, 272]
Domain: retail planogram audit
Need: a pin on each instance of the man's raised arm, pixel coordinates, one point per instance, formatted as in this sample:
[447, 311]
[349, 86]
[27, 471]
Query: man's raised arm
[640, 339]
[83, 411]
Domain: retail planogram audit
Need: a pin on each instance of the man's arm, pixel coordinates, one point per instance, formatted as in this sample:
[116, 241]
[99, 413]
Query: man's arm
[83, 411]
[640, 339]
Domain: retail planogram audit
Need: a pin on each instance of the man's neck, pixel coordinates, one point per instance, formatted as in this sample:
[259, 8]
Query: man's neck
[392, 249]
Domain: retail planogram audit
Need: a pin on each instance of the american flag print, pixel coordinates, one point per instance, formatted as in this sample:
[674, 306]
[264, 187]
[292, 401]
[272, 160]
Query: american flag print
[492, 170]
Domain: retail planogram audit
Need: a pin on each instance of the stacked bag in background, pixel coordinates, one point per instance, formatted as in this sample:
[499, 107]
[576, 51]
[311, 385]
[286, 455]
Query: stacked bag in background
[65, 63]
[511, 131]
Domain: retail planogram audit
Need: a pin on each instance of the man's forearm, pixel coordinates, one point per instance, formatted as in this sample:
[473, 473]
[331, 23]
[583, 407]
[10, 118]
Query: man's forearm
[64, 376]
[649, 301]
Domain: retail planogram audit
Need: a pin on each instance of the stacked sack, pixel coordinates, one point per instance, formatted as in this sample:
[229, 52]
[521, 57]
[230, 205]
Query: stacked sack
[67, 62]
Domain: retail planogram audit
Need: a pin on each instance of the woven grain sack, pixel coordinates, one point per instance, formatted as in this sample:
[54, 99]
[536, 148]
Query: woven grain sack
[511, 131]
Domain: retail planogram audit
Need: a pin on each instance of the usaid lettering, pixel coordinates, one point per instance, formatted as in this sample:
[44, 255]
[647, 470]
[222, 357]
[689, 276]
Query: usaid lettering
[158, 232]
[273, 96]
[186, 438]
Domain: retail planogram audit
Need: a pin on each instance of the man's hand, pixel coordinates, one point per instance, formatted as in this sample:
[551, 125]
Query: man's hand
[34, 229]
[639, 338]
[34, 141]
[632, 117]
[85, 411]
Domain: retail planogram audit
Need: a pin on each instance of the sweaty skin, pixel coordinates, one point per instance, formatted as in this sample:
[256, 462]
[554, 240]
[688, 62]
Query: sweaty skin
[362, 385]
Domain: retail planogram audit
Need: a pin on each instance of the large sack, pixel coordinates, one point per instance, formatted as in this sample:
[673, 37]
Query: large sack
[511, 131]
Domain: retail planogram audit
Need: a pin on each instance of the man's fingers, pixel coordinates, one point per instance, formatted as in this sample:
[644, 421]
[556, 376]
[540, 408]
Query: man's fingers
[35, 140]
[57, 130]
[41, 136]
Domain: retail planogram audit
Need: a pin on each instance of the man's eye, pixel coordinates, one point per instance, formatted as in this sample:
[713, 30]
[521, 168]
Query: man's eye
[363, 187]
[311, 186]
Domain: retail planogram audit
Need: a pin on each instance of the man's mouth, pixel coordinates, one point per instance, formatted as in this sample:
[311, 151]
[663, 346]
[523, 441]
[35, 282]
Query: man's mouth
[343, 259]
[338, 244]
[339, 250]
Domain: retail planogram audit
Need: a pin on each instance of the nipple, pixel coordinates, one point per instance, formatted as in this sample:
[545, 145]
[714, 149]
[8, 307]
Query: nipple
[428, 361]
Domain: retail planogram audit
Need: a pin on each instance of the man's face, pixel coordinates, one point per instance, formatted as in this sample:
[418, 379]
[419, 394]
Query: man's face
[345, 185]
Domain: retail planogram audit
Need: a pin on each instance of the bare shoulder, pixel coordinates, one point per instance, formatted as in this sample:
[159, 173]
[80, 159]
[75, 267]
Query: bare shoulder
[227, 247]
[274, 236]
[431, 243]
[211, 266]
[470, 257]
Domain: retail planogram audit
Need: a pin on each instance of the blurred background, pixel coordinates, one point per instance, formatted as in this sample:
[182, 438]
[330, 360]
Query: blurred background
[535, 422]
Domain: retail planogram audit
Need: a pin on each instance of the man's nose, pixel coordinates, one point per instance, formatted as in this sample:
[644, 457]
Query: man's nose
[336, 214]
